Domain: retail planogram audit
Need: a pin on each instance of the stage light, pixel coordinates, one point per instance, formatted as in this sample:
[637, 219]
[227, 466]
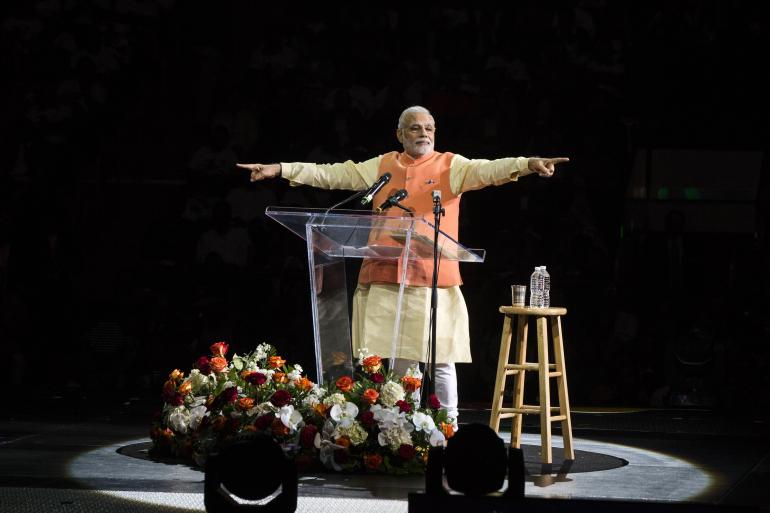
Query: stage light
[475, 460]
[475, 463]
[251, 468]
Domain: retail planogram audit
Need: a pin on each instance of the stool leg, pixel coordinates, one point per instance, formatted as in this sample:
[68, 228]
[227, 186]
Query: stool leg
[561, 381]
[545, 390]
[502, 361]
[522, 328]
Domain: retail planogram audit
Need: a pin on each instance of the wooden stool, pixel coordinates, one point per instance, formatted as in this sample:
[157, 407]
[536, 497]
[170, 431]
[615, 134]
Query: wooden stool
[545, 370]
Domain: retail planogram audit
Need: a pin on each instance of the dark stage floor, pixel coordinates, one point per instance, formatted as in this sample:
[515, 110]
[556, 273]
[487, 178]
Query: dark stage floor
[72, 461]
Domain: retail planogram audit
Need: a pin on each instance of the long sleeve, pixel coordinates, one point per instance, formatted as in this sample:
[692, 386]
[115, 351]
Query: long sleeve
[347, 175]
[468, 175]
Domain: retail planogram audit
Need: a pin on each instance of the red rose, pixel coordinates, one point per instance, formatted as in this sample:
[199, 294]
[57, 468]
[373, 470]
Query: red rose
[204, 365]
[367, 419]
[169, 391]
[307, 436]
[406, 452]
[219, 348]
[177, 400]
[229, 395]
[264, 421]
[304, 460]
[378, 378]
[281, 398]
[433, 402]
[404, 407]
[256, 378]
[341, 456]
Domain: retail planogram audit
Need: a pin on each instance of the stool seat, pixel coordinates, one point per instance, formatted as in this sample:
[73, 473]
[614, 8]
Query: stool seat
[546, 371]
[530, 310]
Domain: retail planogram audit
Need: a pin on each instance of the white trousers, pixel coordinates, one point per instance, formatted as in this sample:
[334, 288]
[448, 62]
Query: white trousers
[446, 382]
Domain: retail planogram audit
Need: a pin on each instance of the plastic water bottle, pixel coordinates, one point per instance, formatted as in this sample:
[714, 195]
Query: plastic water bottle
[536, 289]
[546, 287]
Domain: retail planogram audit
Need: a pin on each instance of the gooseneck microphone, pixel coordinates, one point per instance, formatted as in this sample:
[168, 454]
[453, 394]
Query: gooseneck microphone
[375, 188]
[393, 199]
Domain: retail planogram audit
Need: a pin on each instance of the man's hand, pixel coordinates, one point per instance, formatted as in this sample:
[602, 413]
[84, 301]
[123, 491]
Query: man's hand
[262, 171]
[544, 167]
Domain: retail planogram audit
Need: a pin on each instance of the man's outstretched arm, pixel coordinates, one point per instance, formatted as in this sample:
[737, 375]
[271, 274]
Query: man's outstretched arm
[468, 175]
[347, 175]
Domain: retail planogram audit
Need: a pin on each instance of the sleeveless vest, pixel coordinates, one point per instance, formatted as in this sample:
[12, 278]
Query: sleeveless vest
[419, 177]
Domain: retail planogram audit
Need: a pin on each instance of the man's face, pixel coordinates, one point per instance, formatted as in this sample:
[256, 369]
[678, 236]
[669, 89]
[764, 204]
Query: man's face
[419, 135]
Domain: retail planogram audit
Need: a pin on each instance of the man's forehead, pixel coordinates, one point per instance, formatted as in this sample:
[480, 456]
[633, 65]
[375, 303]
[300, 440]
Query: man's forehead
[420, 118]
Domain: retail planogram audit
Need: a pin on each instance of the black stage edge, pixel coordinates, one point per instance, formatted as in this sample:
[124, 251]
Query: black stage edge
[424, 503]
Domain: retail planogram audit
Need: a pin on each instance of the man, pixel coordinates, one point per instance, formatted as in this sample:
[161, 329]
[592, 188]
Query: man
[420, 170]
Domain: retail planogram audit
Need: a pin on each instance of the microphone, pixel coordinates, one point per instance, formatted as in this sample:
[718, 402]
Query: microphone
[437, 208]
[393, 199]
[375, 188]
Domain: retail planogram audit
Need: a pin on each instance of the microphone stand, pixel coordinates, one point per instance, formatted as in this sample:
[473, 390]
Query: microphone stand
[438, 211]
[350, 198]
[405, 209]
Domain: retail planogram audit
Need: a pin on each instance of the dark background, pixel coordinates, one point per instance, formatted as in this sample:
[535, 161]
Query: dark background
[122, 121]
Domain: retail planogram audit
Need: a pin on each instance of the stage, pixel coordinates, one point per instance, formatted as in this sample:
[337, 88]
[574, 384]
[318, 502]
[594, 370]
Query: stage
[75, 462]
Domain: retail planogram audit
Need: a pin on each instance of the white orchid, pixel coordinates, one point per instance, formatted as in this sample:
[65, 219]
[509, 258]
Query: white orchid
[423, 422]
[437, 438]
[345, 414]
[290, 417]
[179, 420]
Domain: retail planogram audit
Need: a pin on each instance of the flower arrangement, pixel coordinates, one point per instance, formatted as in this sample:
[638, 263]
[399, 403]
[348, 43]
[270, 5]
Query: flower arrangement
[369, 422]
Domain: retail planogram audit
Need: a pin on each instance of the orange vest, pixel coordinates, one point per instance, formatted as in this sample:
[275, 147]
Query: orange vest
[419, 177]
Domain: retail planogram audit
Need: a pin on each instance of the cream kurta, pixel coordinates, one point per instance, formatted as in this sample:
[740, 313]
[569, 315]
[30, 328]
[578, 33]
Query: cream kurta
[374, 305]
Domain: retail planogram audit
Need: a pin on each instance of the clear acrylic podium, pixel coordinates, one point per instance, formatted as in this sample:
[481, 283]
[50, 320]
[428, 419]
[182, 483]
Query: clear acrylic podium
[334, 236]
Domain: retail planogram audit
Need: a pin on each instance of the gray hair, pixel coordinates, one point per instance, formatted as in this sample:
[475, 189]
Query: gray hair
[414, 109]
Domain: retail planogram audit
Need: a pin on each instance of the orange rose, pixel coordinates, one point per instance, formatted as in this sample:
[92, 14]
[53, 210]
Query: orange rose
[303, 384]
[245, 403]
[320, 409]
[280, 377]
[185, 388]
[218, 364]
[372, 364]
[372, 461]
[345, 384]
[176, 375]
[219, 349]
[447, 429]
[161, 435]
[219, 423]
[169, 388]
[249, 428]
[279, 429]
[371, 395]
[275, 362]
[411, 384]
[343, 441]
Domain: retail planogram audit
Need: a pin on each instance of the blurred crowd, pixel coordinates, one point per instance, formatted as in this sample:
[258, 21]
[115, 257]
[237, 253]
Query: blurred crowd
[129, 241]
